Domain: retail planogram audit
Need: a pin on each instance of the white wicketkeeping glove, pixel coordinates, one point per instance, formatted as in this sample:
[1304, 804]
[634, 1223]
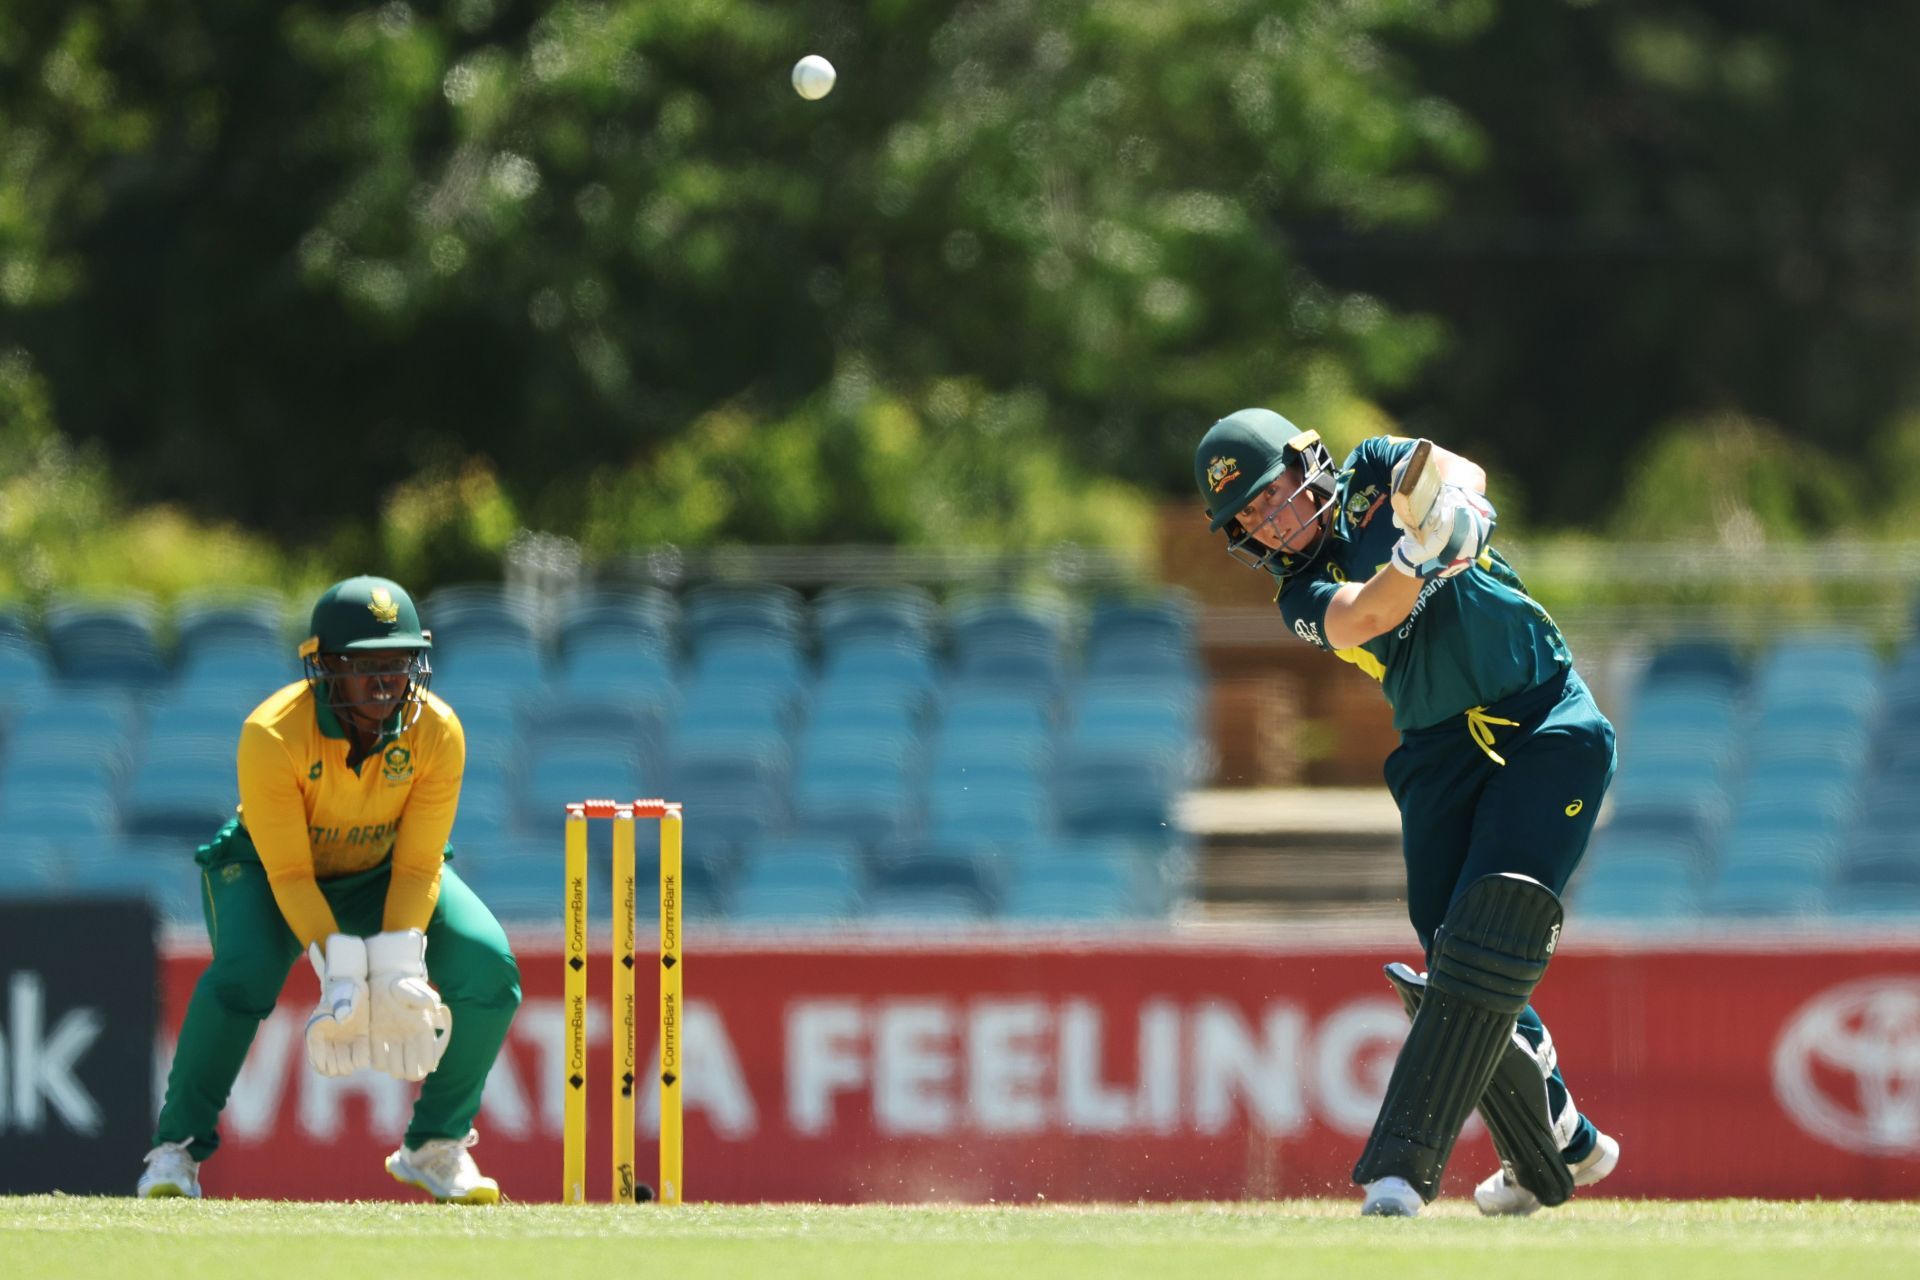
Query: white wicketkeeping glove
[410, 1027]
[1463, 525]
[337, 1042]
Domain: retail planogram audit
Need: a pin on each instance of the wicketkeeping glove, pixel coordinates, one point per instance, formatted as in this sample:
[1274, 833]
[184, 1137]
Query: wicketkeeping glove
[410, 1027]
[1463, 522]
[337, 1042]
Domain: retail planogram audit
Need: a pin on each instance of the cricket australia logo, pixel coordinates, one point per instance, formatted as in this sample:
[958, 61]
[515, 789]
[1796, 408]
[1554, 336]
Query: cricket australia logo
[1221, 472]
[1360, 505]
[396, 765]
[382, 606]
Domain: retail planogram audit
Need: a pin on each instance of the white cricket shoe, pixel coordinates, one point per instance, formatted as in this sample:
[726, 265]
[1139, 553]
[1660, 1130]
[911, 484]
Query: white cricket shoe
[1498, 1195]
[171, 1173]
[442, 1168]
[1390, 1198]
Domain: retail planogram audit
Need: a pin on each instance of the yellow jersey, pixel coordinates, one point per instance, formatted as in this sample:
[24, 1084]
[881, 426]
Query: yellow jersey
[311, 818]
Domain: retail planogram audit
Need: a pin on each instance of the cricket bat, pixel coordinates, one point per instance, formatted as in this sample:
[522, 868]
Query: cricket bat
[1419, 484]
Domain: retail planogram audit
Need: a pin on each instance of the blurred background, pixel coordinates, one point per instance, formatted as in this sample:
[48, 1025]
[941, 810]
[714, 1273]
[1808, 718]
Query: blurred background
[826, 465]
[846, 444]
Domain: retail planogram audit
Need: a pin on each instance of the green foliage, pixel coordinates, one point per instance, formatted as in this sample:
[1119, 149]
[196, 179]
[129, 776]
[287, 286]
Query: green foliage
[61, 528]
[562, 237]
[956, 465]
[1728, 481]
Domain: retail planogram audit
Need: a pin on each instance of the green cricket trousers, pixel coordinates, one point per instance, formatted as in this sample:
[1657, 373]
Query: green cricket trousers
[1515, 786]
[468, 960]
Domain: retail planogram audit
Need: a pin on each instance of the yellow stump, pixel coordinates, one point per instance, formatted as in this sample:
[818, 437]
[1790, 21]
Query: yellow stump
[625, 1054]
[574, 1141]
[670, 1006]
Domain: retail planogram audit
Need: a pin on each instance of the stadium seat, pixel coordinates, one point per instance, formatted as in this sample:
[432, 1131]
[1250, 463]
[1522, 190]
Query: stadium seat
[637, 618]
[883, 617]
[734, 611]
[106, 643]
[1013, 642]
[789, 881]
[480, 614]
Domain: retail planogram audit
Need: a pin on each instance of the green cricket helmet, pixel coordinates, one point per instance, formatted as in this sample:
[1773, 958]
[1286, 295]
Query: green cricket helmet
[1238, 458]
[368, 626]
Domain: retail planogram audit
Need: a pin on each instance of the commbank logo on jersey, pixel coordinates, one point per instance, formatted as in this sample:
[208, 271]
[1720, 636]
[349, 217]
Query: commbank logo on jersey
[1221, 472]
[397, 763]
[382, 606]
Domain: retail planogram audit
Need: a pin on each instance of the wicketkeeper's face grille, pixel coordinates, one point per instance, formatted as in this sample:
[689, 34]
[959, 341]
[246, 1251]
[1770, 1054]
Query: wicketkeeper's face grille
[373, 685]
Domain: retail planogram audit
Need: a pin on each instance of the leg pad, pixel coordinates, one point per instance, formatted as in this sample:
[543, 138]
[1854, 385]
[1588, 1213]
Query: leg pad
[1514, 1106]
[1488, 955]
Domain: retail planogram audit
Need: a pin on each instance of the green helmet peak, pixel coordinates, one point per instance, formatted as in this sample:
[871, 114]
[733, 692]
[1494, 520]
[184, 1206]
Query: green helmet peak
[365, 613]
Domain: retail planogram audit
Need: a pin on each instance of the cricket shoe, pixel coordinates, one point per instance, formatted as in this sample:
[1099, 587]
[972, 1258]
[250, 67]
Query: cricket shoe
[171, 1173]
[442, 1168]
[1390, 1198]
[1500, 1195]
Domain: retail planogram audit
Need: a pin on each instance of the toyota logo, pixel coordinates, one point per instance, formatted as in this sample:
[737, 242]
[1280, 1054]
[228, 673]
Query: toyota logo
[1847, 1067]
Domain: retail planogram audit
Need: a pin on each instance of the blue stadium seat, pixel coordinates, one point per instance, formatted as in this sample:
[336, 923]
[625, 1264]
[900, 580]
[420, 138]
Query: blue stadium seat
[798, 880]
[732, 610]
[481, 614]
[181, 793]
[734, 792]
[974, 708]
[24, 673]
[1148, 639]
[30, 867]
[1871, 903]
[563, 773]
[507, 665]
[1013, 642]
[1705, 662]
[864, 800]
[1002, 812]
[774, 668]
[1128, 793]
[910, 667]
[1693, 709]
[109, 643]
[902, 616]
[919, 906]
[974, 866]
[643, 618]
[258, 620]
[1636, 888]
[1079, 881]
[1768, 880]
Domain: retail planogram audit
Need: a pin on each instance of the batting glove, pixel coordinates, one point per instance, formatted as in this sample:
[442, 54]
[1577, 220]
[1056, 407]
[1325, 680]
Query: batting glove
[1464, 526]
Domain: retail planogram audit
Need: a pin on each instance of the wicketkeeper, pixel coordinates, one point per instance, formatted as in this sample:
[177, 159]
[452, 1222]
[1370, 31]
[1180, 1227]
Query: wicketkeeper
[1386, 562]
[348, 784]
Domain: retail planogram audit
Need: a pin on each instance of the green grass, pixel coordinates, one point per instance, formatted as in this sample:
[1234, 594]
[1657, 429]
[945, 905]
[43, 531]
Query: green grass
[59, 1236]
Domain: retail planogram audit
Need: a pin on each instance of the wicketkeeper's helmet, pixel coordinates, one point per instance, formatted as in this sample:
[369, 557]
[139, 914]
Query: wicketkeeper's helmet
[363, 616]
[1241, 455]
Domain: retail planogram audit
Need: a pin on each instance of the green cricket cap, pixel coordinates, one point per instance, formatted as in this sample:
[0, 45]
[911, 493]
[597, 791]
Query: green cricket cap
[1242, 454]
[365, 613]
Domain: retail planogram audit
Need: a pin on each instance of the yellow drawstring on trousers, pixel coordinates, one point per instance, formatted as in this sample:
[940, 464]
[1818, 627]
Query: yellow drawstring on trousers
[1480, 726]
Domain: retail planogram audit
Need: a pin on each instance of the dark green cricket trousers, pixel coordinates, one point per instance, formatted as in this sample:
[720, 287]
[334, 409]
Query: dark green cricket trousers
[468, 960]
[1464, 815]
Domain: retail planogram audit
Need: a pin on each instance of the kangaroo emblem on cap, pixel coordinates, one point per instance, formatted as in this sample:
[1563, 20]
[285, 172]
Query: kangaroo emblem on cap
[382, 606]
[1222, 470]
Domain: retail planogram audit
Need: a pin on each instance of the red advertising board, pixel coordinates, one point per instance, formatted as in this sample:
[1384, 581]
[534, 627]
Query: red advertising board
[1013, 1067]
